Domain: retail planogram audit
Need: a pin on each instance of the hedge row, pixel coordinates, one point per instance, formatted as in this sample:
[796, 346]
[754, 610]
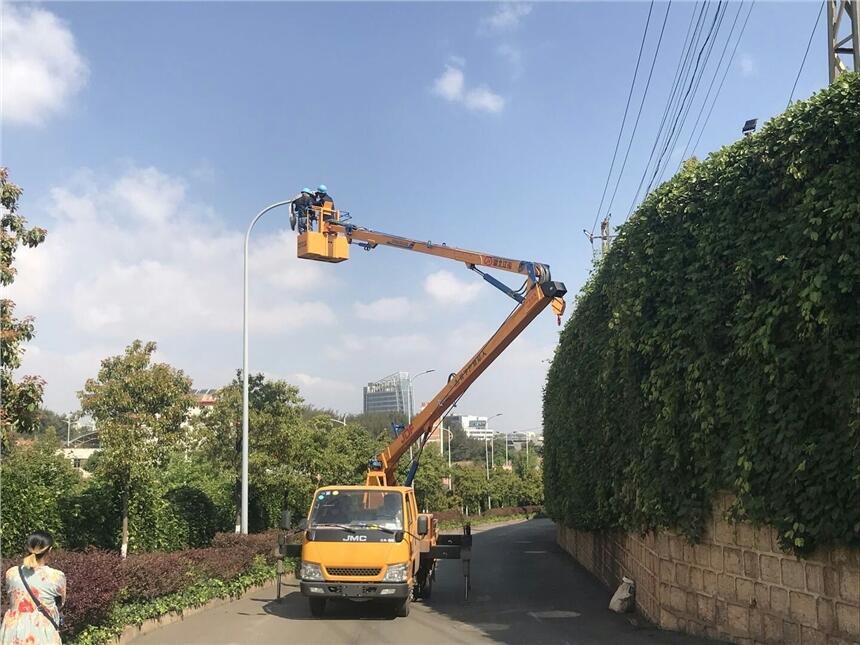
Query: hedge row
[717, 345]
[503, 511]
[98, 581]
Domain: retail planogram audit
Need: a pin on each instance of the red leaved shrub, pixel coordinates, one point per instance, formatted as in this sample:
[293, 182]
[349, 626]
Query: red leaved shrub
[224, 563]
[96, 580]
[265, 544]
[93, 583]
[150, 575]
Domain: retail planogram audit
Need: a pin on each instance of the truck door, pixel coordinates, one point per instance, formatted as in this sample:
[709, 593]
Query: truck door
[411, 528]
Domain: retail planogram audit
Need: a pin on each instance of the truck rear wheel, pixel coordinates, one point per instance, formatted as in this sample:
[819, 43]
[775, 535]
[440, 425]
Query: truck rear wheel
[317, 606]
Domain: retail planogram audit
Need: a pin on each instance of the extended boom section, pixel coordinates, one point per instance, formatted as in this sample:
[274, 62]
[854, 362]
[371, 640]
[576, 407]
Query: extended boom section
[325, 235]
[382, 472]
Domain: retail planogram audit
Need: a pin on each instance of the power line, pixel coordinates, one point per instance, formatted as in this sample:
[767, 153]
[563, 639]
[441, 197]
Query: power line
[683, 106]
[725, 73]
[624, 118]
[639, 111]
[710, 86]
[805, 54]
[693, 91]
[673, 90]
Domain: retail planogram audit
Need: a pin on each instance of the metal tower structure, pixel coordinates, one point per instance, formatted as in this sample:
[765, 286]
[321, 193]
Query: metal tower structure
[843, 17]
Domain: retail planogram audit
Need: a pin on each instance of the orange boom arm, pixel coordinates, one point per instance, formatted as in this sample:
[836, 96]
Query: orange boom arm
[325, 237]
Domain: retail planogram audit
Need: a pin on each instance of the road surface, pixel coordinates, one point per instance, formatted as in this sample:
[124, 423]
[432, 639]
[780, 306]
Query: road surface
[525, 589]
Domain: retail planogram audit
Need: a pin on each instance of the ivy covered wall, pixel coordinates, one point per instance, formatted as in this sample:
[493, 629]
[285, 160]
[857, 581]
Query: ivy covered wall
[717, 345]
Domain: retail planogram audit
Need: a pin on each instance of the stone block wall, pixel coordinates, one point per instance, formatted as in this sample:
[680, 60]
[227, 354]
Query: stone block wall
[736, 585]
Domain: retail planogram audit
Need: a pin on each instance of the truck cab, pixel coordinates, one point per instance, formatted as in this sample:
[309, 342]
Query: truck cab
[362, 543]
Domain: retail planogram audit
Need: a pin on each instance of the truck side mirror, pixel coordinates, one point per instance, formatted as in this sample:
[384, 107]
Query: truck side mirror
[422, 525]
[398, 536]
[285, 520]
[303, 524]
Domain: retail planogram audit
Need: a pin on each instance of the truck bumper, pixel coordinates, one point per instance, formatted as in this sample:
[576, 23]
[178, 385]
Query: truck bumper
[354, 590]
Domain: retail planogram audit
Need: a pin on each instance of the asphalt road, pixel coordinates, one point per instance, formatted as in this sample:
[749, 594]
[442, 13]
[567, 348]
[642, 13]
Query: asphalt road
[525, 589]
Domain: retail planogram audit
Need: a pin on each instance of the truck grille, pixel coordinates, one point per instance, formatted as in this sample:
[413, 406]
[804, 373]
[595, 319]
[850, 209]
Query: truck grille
[353, 571]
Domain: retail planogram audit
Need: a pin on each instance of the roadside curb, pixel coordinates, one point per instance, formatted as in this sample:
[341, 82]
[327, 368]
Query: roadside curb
[131, 632]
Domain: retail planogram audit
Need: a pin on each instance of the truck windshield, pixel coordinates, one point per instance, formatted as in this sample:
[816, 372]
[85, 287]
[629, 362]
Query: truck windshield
[358, 509]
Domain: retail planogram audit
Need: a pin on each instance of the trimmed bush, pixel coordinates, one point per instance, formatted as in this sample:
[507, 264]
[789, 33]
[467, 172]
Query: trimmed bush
[94, 580]
[149, 575]
[717, 345]
[99, 581]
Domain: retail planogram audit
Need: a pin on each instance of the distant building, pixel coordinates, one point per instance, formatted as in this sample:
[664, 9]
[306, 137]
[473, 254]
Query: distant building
[474, 427]
[517, 440]
[205, 398]
[390, 394]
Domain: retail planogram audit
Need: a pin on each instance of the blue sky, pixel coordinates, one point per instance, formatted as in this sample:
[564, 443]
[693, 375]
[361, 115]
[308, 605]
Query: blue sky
[146, 135]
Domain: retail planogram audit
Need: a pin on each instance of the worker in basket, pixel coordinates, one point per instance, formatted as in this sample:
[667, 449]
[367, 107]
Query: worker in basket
[302, 214]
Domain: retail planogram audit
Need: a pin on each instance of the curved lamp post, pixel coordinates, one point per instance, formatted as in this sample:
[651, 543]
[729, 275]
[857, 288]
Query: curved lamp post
[412, 401]
[244, 512]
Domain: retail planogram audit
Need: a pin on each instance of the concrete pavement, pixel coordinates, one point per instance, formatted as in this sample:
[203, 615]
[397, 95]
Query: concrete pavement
[525, 589]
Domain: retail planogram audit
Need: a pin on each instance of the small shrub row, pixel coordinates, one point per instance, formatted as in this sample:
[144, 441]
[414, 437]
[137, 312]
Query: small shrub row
[504, 511]
[99, 580]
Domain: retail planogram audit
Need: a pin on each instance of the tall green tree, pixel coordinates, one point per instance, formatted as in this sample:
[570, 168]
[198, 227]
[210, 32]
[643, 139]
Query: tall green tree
[139, 407]
[275, 413]
[19, 400]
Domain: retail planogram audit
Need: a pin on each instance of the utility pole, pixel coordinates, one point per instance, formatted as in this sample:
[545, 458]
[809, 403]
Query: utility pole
[605, 238]
[843, 16]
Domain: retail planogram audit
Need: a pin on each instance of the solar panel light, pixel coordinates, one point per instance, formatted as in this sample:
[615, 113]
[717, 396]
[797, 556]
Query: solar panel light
[749, 127]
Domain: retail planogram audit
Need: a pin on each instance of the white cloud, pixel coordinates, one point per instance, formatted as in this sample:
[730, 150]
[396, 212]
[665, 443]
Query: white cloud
[483, 99]
[383, 309]
[506, 17]
[450, 84]
[133, 257]
[444, 287]
[451, 87]
[39, 63]
[397, 346]
[747, 65]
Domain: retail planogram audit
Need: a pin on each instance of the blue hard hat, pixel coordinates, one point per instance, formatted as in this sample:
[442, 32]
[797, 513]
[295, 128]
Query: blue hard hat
[306, 189]
[322, 188]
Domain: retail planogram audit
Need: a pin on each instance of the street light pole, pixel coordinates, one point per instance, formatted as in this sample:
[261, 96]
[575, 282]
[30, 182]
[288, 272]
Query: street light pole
[506, 449]
[412, 401]
[493, 437]
[244, 504]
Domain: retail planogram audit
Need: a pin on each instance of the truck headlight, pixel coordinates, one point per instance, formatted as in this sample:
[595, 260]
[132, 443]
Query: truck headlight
[310, 571]
[395, 573]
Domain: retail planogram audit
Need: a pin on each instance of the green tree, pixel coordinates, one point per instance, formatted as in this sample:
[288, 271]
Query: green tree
[19, 401]
[505, 487]
[471, 486]
[275, 420]
[139, 407]
[34, 483]
[431, 493]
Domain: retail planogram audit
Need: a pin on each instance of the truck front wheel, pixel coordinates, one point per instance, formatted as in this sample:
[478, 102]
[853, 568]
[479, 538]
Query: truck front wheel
[317, 606]
[401, 608]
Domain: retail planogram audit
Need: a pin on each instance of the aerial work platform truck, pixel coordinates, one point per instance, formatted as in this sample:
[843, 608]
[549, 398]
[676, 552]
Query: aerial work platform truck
[370, 541]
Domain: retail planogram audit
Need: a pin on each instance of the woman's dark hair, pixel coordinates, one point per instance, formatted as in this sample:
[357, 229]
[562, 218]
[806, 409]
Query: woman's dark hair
[39, 542]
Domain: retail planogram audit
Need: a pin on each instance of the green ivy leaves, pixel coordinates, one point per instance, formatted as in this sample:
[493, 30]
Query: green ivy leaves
[717, 346]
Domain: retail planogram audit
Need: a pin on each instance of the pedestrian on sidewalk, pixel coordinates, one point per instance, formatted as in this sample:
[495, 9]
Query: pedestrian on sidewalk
[36, 593]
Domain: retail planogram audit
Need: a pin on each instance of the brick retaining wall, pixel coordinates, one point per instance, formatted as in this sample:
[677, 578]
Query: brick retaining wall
[736, 585]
